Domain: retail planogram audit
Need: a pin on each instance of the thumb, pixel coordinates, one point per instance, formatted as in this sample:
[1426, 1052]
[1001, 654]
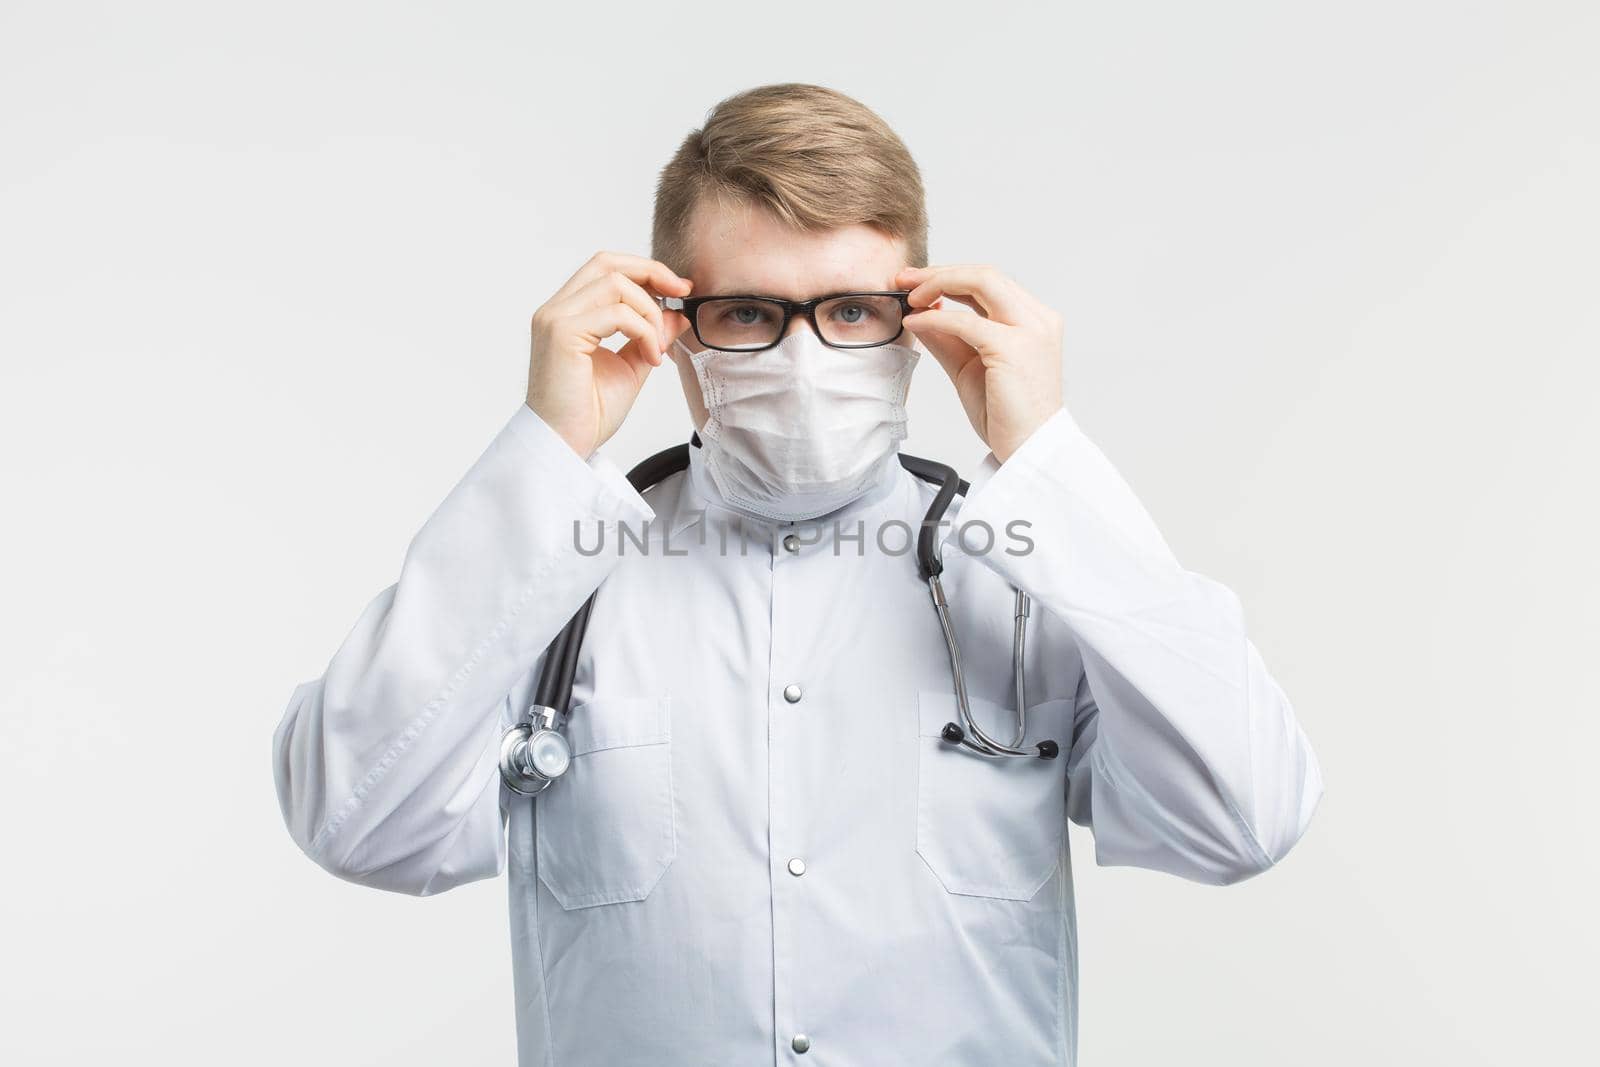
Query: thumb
[634, 357]
[951, 352]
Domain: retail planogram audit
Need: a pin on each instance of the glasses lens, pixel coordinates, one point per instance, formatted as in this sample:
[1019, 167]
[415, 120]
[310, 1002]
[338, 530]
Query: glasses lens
[859, 320]
[739, 322]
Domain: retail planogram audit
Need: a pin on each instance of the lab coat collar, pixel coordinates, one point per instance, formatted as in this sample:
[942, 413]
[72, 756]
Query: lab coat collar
[701, 500]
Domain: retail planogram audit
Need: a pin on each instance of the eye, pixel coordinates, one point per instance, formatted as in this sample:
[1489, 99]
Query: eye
[853, 314]
[746, 313]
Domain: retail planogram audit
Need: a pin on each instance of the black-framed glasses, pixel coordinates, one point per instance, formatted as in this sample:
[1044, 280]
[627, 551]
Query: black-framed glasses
[857, 319]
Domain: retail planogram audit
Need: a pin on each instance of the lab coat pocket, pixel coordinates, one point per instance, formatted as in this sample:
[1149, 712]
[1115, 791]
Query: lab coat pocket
[990, 826]
[606, 829]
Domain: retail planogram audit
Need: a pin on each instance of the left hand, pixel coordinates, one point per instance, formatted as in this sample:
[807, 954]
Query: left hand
[1005, 360]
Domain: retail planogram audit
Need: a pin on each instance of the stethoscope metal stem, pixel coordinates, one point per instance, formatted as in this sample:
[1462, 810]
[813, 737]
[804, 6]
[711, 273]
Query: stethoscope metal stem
[1019, 634]
[979, 740]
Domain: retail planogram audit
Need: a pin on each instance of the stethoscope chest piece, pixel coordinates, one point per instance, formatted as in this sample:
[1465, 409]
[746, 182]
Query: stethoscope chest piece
[534, 753]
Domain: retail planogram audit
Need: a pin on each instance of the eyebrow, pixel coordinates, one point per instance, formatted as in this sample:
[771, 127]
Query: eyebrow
[774, 296]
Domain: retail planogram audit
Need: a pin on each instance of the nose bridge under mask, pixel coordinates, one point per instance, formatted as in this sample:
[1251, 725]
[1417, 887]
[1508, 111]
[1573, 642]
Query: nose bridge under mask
[799, 429]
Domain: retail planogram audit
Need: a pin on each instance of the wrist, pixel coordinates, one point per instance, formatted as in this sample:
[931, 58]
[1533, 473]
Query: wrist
[571, 439]
[1005, 447]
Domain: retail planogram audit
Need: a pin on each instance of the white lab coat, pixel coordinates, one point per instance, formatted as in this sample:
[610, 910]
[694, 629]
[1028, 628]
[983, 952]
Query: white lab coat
[726, 875]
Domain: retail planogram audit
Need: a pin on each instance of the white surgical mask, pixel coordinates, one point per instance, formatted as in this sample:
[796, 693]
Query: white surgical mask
[801, 429]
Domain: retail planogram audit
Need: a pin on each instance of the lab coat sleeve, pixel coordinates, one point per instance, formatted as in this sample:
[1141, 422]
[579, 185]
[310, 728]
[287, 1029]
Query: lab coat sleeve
[1186, 756]
[386, 766]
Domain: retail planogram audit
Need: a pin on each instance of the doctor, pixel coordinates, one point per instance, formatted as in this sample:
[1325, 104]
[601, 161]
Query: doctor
[763, 851]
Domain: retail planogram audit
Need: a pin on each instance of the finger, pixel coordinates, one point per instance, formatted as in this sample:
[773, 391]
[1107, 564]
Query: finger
[967, 300]
[612, 288]
[596, 324]
[911, 277]
[637, 358]
[645, 271]
[952, 353]
[997, 296]
[977, 285]
[677, 325]
[984, 335]
[918, 274]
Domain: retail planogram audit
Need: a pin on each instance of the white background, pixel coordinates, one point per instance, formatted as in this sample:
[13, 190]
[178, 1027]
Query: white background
[1330, 276]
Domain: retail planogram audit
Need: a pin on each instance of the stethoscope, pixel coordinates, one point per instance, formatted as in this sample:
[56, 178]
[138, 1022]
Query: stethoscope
[535, 752]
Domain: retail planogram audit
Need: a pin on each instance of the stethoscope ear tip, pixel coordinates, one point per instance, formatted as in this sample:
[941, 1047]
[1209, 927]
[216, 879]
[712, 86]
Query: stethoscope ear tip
[954, 734]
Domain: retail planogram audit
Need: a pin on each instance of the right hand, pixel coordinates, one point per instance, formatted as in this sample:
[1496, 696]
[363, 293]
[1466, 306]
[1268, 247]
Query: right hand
[580, 388]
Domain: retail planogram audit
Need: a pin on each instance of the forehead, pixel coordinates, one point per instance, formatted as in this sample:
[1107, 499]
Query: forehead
[744, 248]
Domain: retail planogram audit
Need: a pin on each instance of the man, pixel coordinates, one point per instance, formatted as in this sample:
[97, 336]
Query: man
[764, 850]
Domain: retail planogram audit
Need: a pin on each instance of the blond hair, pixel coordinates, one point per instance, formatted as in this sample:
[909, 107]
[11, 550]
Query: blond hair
[814, 157]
